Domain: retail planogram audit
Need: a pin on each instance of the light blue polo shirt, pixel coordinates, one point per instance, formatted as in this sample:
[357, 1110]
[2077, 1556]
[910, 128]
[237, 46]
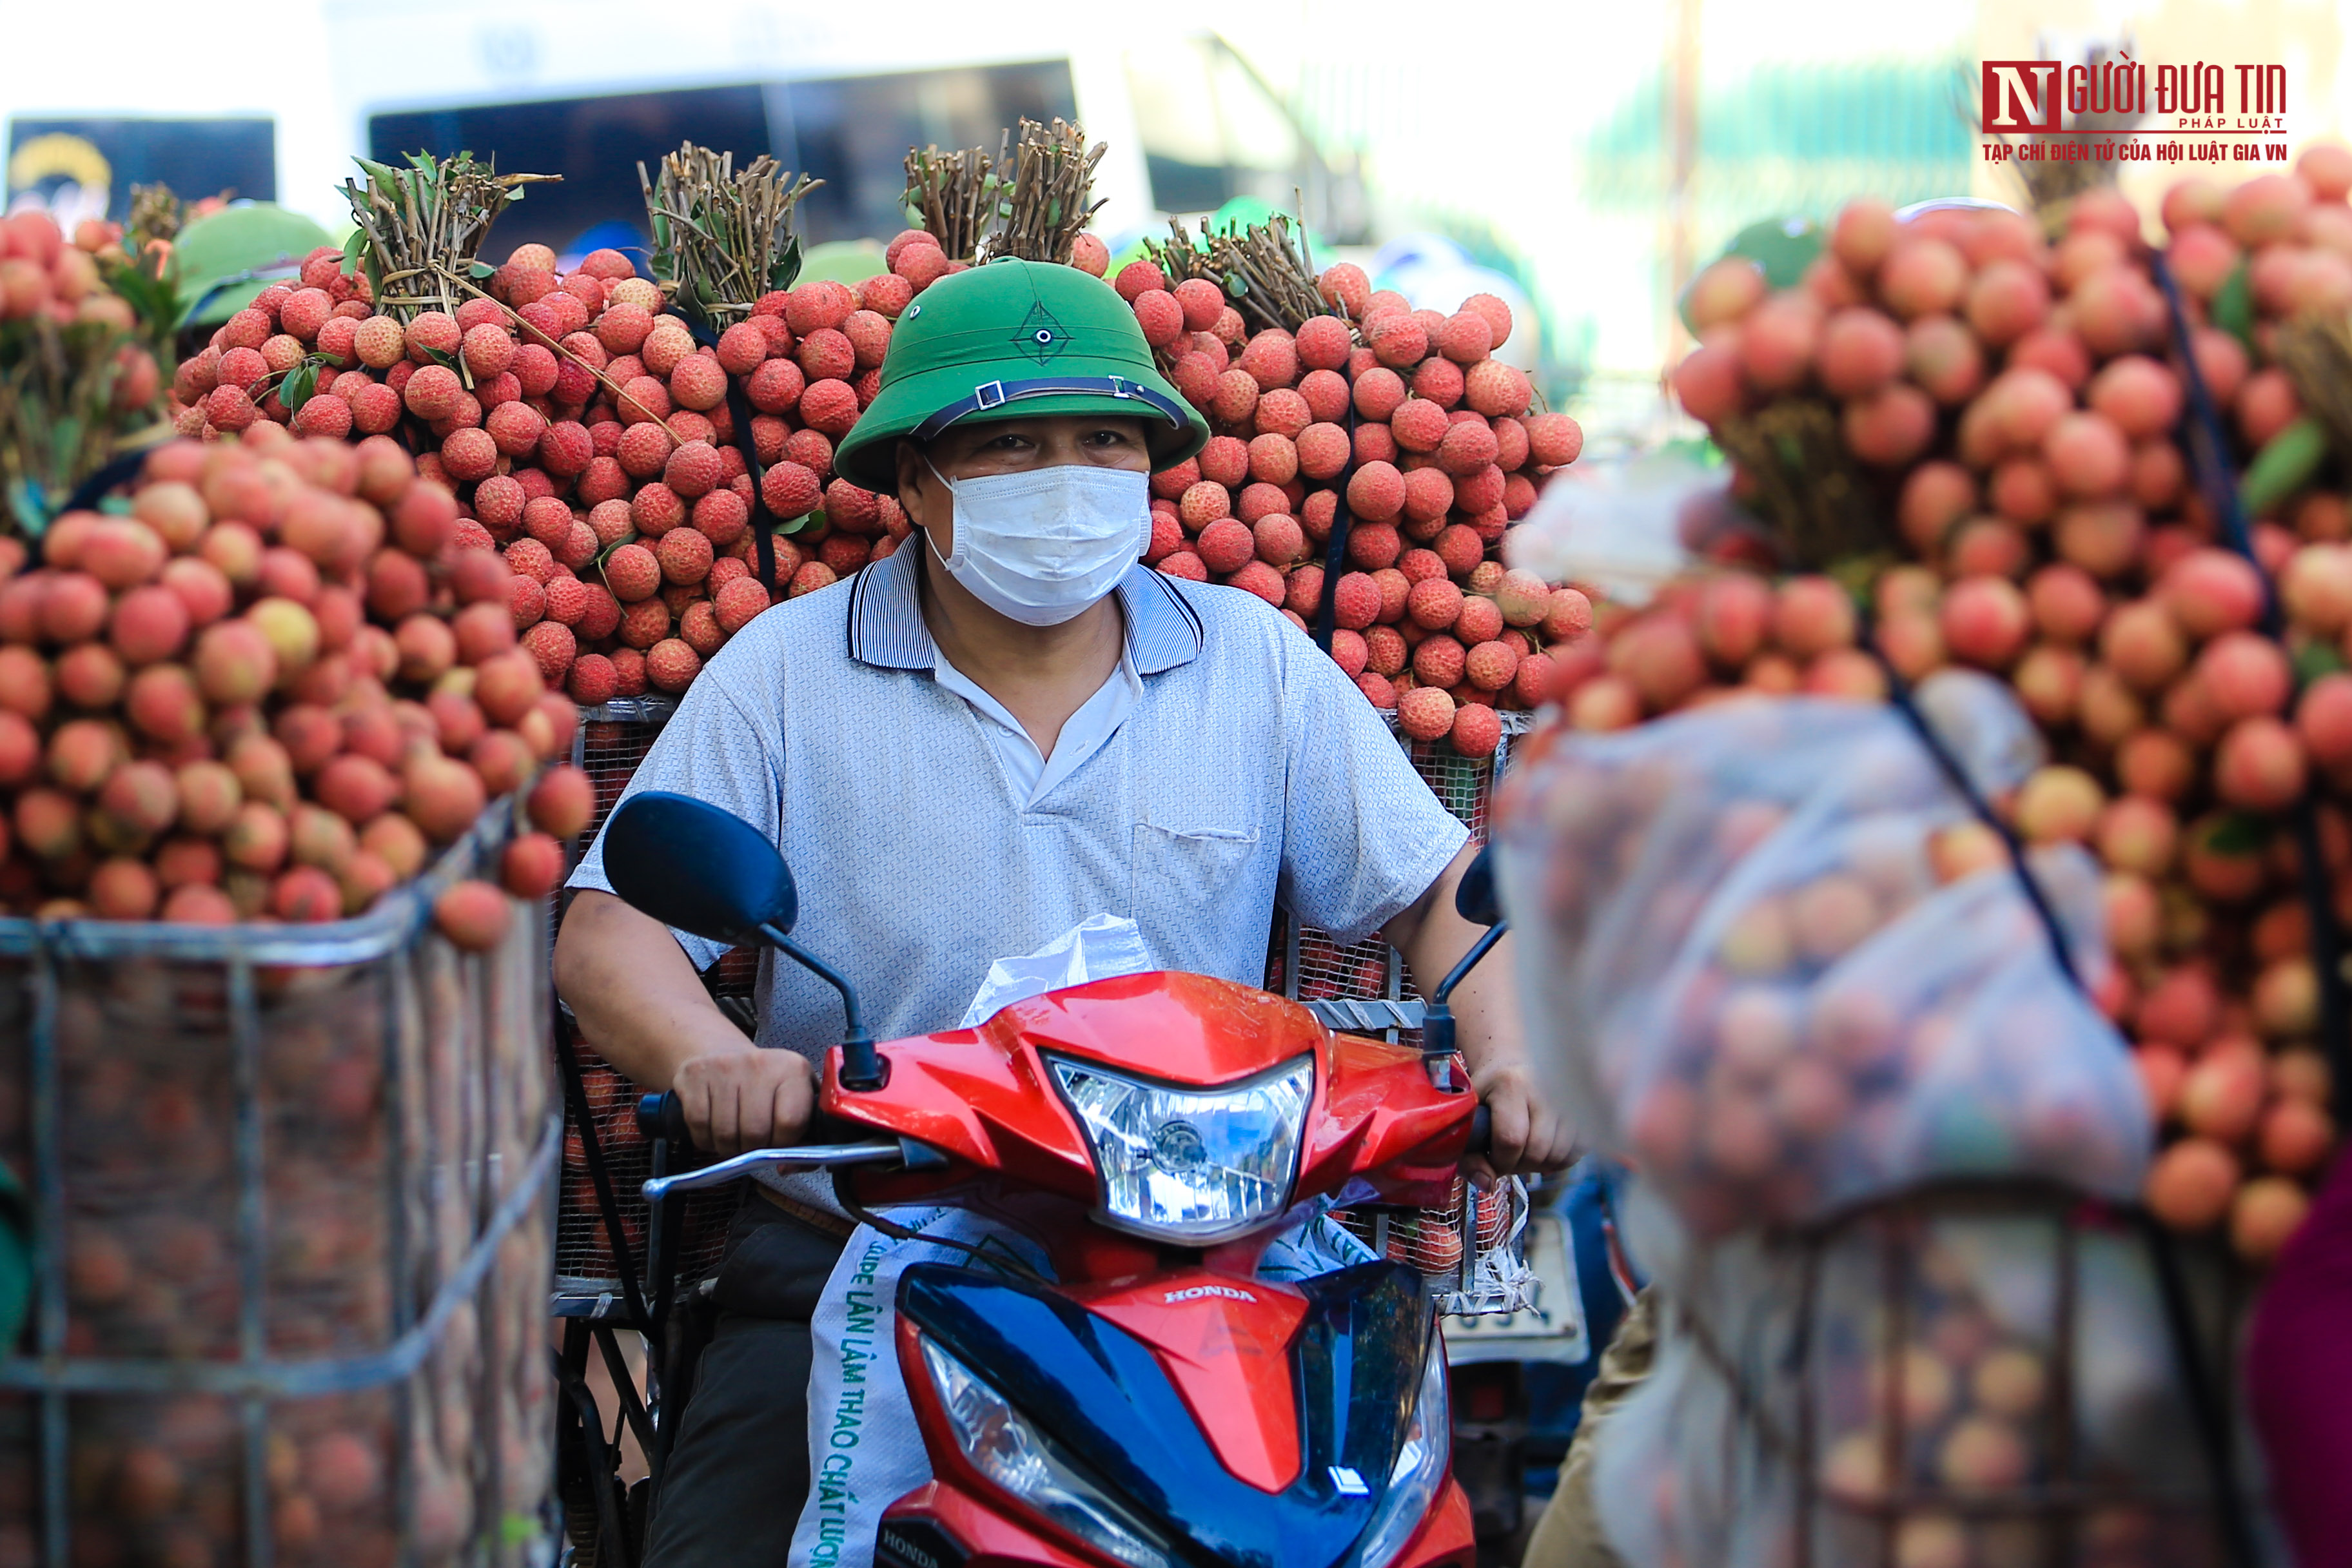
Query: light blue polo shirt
[1249, 771]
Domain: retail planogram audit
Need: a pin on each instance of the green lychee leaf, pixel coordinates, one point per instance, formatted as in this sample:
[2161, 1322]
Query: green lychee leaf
[299, 384]
[481, 269]
[799, 524]
[2238, 832]
[2314, 659]
[2233, 304]
[2285, 465]
[27, 505]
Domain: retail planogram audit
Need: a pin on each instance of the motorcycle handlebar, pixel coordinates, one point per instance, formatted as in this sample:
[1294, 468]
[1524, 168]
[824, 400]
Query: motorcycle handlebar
[663, 1116]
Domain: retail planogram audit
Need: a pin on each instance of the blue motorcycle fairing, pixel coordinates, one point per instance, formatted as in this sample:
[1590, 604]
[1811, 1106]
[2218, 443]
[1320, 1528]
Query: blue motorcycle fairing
[1099, 1394]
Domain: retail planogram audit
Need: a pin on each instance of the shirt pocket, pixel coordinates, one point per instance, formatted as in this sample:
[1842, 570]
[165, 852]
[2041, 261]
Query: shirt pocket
[1195, 878]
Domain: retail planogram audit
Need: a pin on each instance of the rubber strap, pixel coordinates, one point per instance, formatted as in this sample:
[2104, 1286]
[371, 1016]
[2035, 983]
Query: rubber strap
[739, 413]
[1898, 694]
[996, 394]
[2209, 453]
[1335, 553]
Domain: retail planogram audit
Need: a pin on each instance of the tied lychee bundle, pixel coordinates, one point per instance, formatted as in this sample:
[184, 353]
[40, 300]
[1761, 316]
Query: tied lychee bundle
[269, 687]
[587, 435]
[75, 371]
[2044, 496]
[1445, 456]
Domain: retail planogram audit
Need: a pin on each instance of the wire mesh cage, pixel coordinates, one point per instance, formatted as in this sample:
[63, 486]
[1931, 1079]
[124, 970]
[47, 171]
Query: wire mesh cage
[613, 739]
[1990, 1369]
[291, 1240]
[612, 743]
[584, 1261]
[1473, 1251]
[1306, 965]
[1977, 1373]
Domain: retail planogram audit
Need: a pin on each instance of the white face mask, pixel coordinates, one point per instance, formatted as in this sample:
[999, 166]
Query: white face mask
[1041, 546]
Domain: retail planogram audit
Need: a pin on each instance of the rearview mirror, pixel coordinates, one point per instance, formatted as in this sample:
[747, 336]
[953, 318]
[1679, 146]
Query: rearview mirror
[692, 865]
[1474, 896]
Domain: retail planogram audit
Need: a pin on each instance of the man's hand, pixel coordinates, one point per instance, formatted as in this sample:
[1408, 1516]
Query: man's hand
[642, 1006]
[739, 1100]
[1528, 1135]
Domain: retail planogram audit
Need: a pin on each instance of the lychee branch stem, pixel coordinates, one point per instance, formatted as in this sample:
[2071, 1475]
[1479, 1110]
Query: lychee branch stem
[619, 392]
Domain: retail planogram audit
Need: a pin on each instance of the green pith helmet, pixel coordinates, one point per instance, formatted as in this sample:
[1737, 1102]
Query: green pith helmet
[1014, 339]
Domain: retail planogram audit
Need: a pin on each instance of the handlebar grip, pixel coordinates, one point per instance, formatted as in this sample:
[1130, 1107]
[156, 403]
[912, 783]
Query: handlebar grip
[1482, 1131]
[663, 1116]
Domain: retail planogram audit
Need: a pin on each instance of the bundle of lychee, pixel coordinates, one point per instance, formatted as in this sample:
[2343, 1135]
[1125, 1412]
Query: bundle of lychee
[2013, 405]
[1406, 419]
[587, 435]
[267, 686]
[75, 372]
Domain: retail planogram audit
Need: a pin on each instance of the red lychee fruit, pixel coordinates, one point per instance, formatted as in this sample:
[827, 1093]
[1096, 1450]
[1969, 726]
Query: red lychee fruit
[474, 915]
[531, 866]
[442, 795]
[553, 645]
[672, 664]
[1425, 713]
[1477, 728]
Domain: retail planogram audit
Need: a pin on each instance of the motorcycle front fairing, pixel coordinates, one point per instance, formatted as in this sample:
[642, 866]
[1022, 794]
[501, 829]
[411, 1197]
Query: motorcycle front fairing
[986, 1098]
[1225, 1418]
[1105, 1401]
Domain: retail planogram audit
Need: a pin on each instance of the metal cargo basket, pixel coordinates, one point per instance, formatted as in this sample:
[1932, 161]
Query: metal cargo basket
[601, 1137]
[1473, 1252]
[1984, 1372]
[1367, 980]
[291, 1194]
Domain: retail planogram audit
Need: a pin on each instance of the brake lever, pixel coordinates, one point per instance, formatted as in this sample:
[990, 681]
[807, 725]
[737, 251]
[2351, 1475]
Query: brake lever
[904, 1152]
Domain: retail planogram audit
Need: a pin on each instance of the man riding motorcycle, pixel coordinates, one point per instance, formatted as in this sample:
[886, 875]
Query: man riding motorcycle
[1000, 730]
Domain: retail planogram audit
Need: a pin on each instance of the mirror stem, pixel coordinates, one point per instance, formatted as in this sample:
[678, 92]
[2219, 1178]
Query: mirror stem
[1461, 971]
[861, 1064]
[1437, 1018]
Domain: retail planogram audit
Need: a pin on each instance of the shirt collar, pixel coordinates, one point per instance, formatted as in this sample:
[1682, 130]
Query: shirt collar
[886, 630]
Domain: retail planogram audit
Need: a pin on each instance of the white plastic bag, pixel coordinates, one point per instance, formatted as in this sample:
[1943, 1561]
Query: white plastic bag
[865, 1450]
[1096, 948]
[1764, 979]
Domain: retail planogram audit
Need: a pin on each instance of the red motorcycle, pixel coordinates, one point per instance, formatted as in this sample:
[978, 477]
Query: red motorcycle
[1153, 1404]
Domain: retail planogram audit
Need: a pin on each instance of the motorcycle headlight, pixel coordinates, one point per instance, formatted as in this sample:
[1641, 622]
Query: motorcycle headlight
[1201, 1164]
[1420, 1467]
[1014, 1455]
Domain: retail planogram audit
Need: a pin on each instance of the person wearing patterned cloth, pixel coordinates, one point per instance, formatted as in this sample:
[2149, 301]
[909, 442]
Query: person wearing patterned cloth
[1001, 728]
